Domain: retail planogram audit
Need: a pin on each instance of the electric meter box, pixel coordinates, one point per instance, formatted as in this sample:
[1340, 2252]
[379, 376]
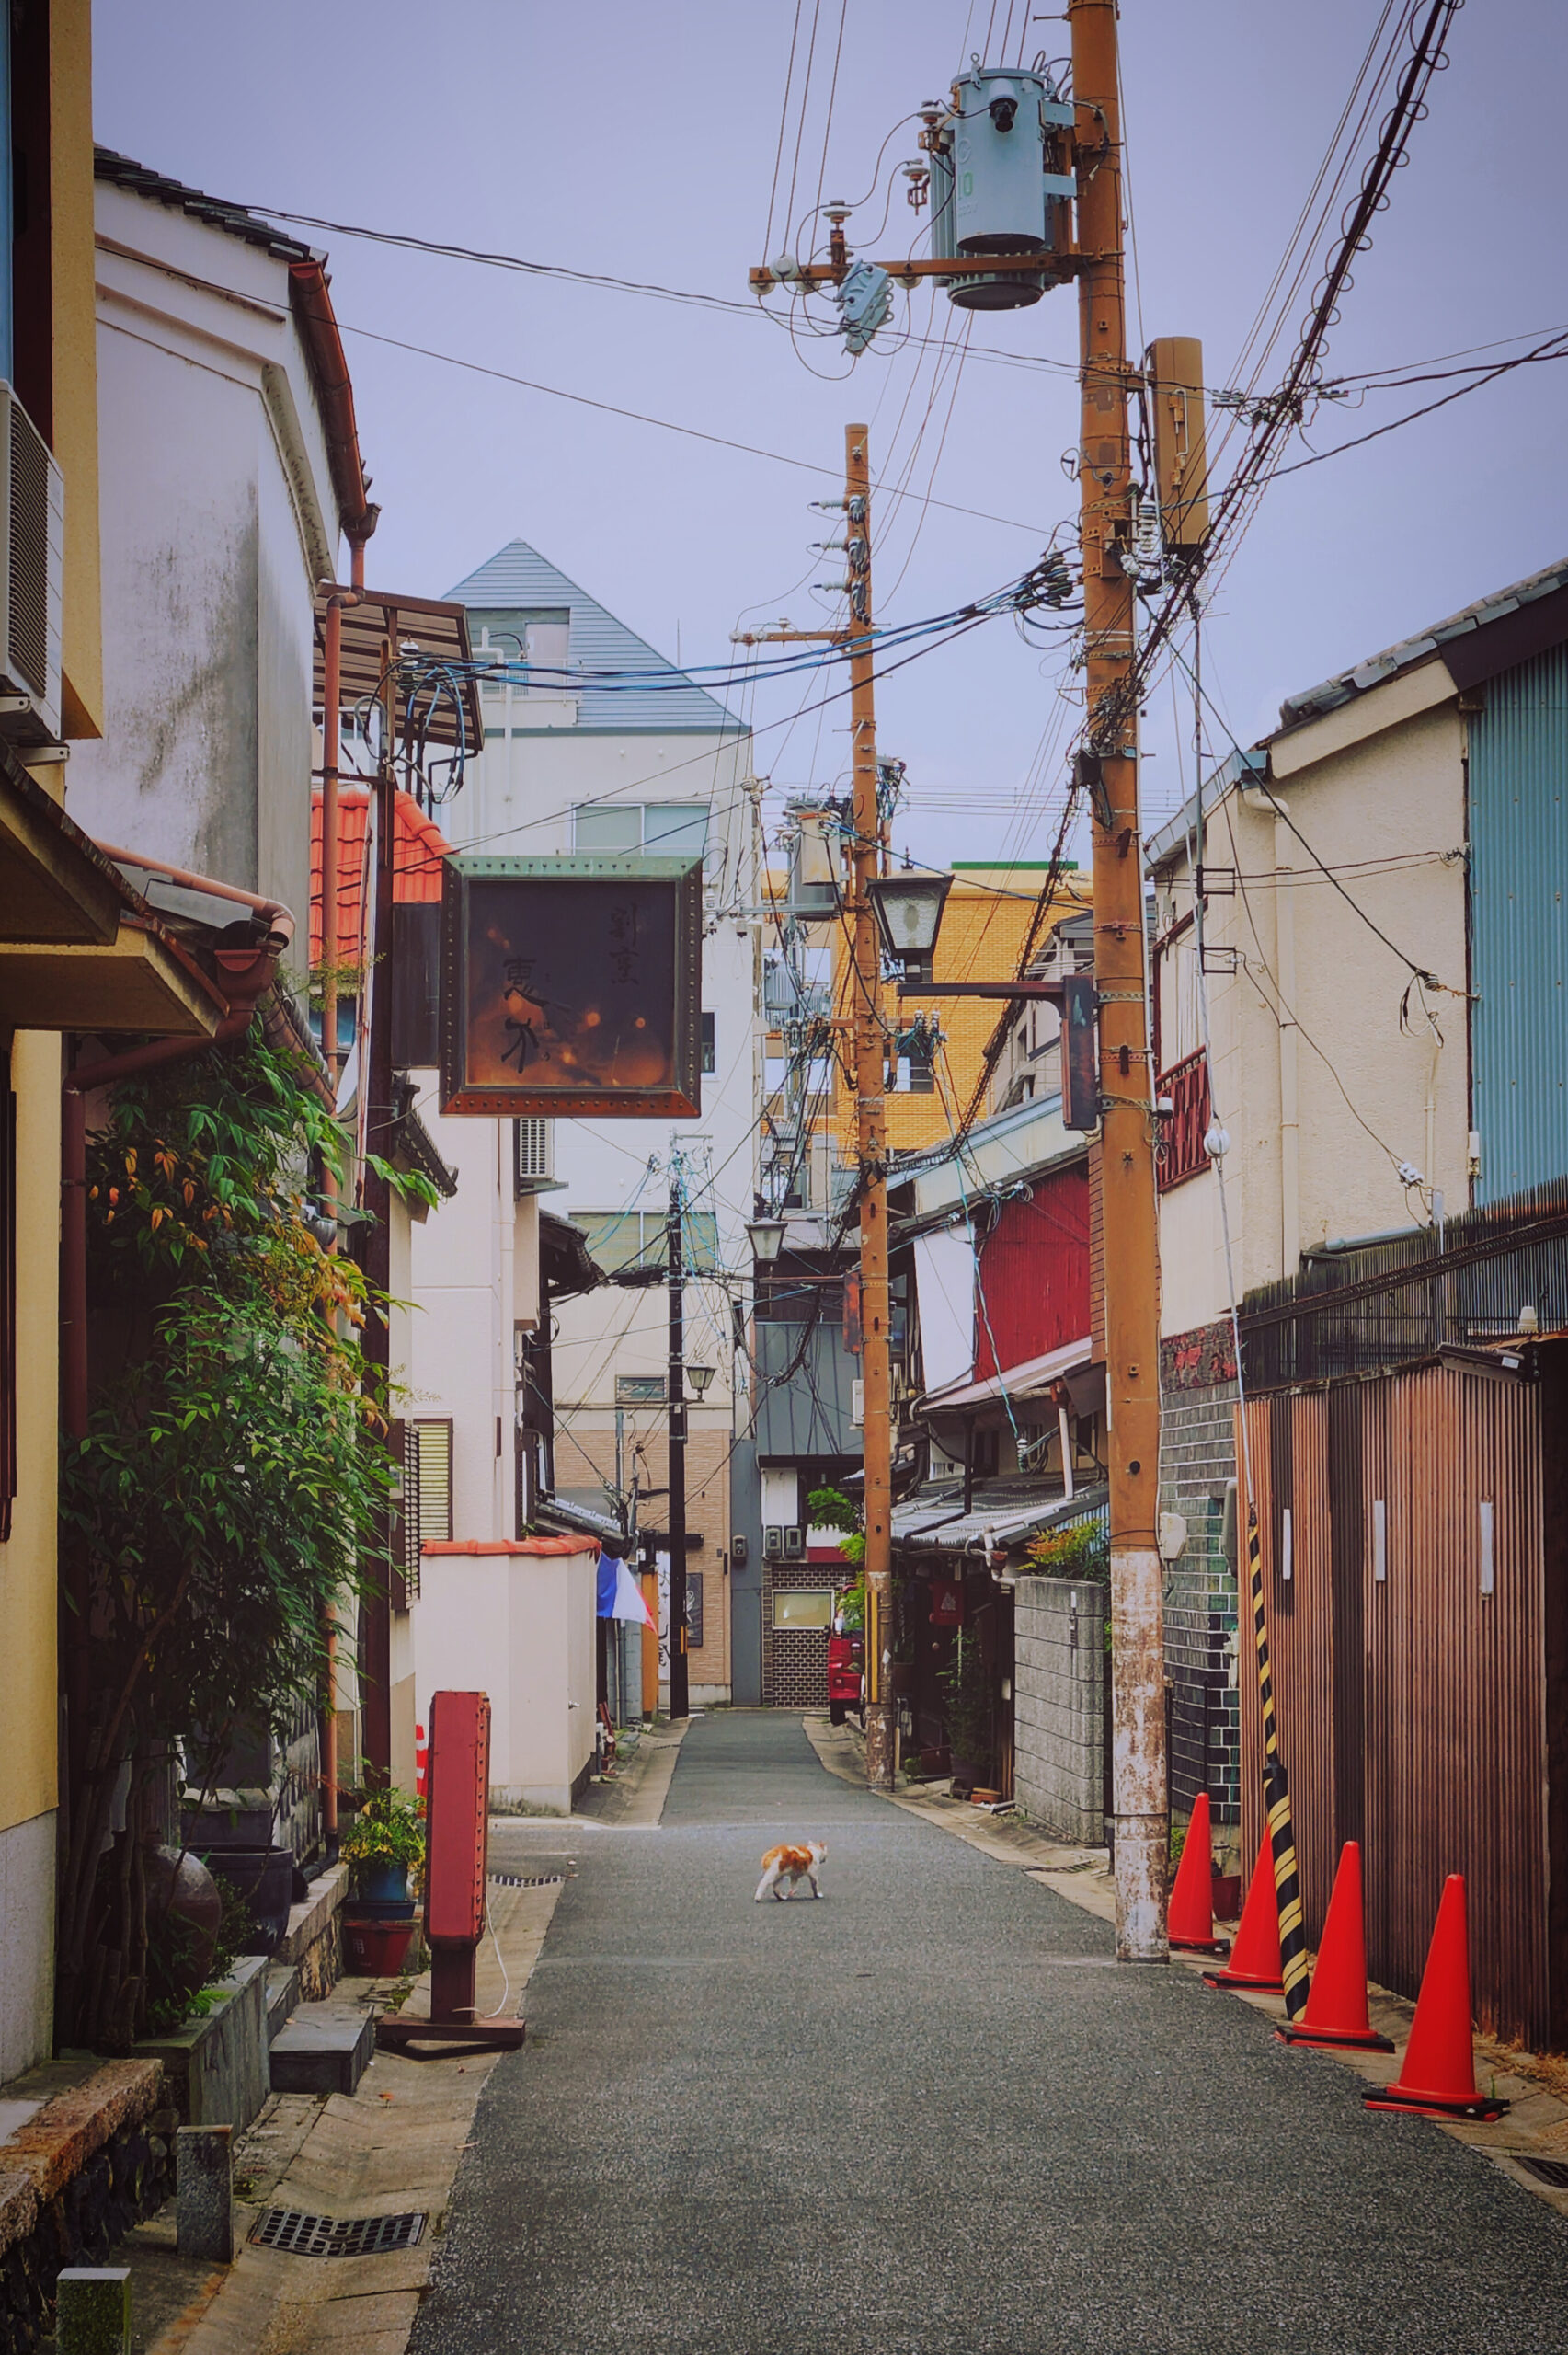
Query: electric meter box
[997, 185]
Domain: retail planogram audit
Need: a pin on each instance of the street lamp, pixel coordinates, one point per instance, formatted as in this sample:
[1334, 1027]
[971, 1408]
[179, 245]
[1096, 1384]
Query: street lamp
[909, 914]
[699, 1377]
[767, 1236]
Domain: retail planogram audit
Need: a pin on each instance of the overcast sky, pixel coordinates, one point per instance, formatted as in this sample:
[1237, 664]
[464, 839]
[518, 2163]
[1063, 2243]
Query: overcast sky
[640, 142]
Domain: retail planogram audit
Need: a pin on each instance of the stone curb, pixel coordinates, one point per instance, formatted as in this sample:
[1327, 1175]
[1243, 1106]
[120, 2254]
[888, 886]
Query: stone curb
[41, 2157]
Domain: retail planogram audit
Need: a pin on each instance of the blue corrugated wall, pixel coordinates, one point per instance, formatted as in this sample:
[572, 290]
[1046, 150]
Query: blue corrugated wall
[1518, 829]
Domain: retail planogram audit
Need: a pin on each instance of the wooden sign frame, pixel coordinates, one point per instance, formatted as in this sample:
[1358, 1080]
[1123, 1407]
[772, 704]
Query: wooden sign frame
[585, 972]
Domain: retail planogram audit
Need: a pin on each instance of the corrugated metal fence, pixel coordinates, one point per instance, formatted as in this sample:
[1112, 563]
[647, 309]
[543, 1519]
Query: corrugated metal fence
[1402, 1528]
[1518, 846]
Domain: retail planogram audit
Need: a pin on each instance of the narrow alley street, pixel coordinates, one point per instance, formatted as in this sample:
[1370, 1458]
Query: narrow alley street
[930, 2114]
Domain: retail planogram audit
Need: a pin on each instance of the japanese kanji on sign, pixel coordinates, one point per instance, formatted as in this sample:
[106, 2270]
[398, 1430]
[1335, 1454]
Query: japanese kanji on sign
[571, 985]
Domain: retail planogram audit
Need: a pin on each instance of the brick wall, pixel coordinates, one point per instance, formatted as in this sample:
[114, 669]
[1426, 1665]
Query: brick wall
[1059, 1706]
[794, 1660]
[1198, 1459]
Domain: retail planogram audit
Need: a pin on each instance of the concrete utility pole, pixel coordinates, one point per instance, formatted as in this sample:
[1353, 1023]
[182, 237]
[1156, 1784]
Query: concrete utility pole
[679, 1689]
[1126, 1131]
[868, 1033]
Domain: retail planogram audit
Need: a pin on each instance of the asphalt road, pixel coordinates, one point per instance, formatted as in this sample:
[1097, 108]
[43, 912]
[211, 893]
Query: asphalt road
[931, 2114]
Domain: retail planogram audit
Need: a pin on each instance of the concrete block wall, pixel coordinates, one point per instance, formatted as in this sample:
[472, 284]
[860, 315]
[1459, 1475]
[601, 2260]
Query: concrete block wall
[1197, 1460]
[1059, 1706]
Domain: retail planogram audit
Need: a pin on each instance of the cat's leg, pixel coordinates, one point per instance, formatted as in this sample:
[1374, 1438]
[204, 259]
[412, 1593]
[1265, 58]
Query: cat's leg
[814, 1890]
[769, 1880]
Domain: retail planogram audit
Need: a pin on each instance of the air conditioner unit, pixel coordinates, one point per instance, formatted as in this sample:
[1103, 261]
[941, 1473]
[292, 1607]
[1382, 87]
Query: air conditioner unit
[795, 1543]
[773, 1544]
[535, 1155]
[32, 554]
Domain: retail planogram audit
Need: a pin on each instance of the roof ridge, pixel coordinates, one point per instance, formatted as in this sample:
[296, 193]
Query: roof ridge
[217, 212]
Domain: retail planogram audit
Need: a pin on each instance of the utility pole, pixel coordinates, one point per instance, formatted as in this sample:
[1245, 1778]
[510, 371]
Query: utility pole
[868, 1034]
[1127, 1128]
[868, 1045]
[680, 1690]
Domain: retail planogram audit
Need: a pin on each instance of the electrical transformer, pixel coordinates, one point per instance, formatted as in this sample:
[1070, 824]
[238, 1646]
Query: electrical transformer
[1001, 183]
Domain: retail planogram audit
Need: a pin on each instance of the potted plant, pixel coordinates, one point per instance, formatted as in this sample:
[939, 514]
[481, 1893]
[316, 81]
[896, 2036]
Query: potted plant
[383, 1846]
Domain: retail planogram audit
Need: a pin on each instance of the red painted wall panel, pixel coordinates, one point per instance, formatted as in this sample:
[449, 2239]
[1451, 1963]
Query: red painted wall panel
[1033, 1276]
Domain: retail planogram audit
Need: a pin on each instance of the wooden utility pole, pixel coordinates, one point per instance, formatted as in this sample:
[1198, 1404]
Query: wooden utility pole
[869, 1039]
[680, 1687]
[1130, 1248]
[868, 1046]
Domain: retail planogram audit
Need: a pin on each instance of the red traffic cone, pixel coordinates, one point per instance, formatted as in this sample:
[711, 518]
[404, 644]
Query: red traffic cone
[1190, 1923]
[1437, 2075]
[1336, 2006]
[1255, 1959]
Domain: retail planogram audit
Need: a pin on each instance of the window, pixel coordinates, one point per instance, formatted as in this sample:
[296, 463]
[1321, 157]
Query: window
[676, 829]
[803, 1607]
[710, 1044]
[427, 1492]
[636, 1239]
[640, 1390]
[663, 829]
[609, 825]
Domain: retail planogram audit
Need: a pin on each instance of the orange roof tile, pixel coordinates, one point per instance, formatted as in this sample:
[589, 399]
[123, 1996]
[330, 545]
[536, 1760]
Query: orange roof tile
[418, 847]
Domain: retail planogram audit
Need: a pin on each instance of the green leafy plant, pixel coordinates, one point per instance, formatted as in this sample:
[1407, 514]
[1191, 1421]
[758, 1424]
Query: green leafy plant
[966, 1703]
[389, 1829]
[411, 1184]
[1082, 1550]
[831, 1509]
[234, 1467]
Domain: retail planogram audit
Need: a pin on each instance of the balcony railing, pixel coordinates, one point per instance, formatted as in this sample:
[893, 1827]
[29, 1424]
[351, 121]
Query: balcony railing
[1183, 1153]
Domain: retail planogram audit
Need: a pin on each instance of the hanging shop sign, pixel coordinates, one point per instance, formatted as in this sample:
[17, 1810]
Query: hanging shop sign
[571, 986]
[948, 1602]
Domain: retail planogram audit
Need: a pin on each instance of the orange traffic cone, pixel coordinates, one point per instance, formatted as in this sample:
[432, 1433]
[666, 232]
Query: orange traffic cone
[1255, 1959]
[1437, 2075]
[1190, 1923]
[1336, 2006]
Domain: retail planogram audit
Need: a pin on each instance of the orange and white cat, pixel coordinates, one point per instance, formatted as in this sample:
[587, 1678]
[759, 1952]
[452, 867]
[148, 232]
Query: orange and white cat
[794, 1865]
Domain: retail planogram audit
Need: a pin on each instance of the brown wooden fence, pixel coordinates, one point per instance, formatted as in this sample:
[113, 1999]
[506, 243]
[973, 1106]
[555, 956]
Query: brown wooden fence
[1415, 1586]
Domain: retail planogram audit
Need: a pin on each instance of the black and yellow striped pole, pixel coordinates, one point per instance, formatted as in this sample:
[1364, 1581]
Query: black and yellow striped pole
[1277, 1801]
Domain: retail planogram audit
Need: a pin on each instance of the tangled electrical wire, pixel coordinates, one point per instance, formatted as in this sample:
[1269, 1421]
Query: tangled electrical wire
[1049, 585]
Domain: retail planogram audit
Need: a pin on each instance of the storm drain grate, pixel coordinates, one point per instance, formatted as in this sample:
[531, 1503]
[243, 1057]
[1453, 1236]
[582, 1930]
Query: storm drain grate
[528, 1881]
[1552, 2171]
[301, 2236]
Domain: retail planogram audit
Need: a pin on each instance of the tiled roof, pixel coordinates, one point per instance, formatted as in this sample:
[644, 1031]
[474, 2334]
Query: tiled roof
[232, 218]
[519, 580]
[1315, 701]
[417, 855]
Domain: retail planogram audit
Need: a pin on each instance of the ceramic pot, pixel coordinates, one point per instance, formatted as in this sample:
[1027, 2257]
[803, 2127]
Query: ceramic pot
[374, 1948]
[265, 1879]
[380, 1885]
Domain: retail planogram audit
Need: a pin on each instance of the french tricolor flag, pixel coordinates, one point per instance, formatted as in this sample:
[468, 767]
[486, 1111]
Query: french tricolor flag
[619, 1597]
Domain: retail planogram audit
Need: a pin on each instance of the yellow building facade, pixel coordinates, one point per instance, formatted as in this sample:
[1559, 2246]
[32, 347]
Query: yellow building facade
[986, 927]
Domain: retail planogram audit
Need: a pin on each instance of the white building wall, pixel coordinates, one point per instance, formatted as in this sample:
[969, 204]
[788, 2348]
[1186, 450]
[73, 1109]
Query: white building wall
[520, 1627]
[217, 520]
[1385, 810]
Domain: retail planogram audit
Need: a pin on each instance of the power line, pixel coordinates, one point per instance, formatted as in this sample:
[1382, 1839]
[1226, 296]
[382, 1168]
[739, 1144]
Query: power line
[667, 425]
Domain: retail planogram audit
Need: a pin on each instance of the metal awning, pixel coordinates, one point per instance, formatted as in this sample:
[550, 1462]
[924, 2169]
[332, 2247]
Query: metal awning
[1030, 1379]
[380, 618]
[79, 948]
